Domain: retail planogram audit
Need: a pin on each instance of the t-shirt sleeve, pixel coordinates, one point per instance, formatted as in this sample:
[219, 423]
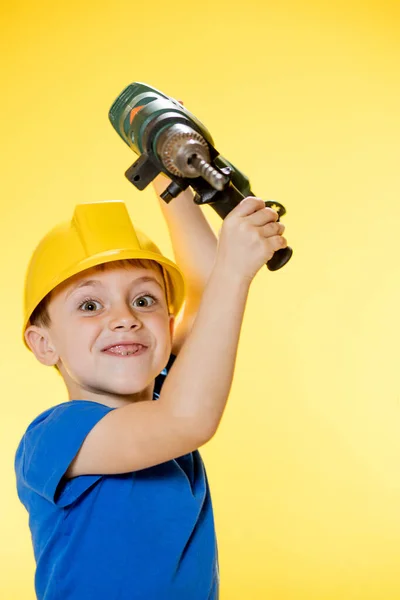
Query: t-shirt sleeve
[49, 446]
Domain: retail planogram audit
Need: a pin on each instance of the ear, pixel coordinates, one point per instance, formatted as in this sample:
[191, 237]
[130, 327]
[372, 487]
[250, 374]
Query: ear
[39, 341]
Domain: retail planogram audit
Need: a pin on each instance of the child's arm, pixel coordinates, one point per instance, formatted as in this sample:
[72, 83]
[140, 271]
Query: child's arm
[194, 394]
[195, 246]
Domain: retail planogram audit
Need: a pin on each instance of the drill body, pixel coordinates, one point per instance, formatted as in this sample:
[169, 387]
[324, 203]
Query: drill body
[169, 139]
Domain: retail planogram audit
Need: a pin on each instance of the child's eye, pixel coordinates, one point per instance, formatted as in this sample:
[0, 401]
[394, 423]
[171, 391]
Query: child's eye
[90, 305]
[153, 300]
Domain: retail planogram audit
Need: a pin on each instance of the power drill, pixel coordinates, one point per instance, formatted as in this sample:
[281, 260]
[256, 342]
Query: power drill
[169, 139]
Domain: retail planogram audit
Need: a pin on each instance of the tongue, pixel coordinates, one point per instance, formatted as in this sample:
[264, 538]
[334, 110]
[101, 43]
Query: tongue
[124, 348]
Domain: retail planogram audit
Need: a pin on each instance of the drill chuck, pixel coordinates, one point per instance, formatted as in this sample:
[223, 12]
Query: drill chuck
[184, 153]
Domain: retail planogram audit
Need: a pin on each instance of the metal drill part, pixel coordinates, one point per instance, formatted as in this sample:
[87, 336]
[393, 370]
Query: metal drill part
[216, 179]
[176, 146]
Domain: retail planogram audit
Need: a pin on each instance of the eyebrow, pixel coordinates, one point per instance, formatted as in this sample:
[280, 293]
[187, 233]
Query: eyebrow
[96, 282]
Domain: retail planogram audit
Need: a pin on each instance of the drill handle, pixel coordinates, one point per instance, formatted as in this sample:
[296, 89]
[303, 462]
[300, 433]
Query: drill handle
[228, 198]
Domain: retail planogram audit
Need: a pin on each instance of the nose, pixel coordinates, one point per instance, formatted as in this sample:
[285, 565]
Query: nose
[123, 318]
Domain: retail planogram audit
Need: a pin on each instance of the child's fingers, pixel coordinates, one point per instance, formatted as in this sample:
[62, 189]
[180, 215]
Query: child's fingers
[248, 206]
[273, 228]
[277, 242]
[262, 217]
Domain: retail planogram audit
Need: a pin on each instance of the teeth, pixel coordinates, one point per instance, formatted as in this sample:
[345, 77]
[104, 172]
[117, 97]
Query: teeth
[120, 351]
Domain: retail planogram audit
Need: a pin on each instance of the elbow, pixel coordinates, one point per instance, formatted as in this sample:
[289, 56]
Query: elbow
[206, 432]
[198, 433]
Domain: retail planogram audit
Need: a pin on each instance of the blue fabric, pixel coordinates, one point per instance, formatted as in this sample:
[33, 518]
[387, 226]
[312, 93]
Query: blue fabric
[145, 535]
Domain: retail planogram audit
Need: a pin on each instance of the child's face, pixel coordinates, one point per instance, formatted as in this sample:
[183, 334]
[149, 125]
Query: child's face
[97, 309]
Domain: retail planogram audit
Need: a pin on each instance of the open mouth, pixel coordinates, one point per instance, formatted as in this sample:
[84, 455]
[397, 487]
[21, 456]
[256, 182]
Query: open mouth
[126, 350]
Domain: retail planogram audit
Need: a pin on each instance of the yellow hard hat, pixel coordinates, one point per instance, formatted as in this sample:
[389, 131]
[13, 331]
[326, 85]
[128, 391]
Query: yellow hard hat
[99, 232]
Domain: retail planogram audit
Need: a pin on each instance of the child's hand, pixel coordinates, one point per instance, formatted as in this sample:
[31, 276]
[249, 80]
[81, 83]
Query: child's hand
[249, 236]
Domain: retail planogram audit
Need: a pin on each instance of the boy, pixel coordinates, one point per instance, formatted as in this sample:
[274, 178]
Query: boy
[114, 484]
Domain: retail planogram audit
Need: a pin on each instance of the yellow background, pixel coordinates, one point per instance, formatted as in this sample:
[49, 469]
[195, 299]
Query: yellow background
[304, 98]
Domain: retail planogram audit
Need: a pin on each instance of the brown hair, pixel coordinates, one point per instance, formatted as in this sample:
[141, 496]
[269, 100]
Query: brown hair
[40, 316]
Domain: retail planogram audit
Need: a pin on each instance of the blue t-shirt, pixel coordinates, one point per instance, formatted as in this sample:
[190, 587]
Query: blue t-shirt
[144, 535]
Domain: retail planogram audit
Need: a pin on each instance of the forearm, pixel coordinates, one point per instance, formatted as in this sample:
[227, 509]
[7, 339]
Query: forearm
[198, 385]
[193, 241]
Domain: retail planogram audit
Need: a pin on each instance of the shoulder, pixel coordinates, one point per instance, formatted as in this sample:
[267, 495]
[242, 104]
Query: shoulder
[44, 417]
[51, 423]
[64, 411]
[50, 443]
